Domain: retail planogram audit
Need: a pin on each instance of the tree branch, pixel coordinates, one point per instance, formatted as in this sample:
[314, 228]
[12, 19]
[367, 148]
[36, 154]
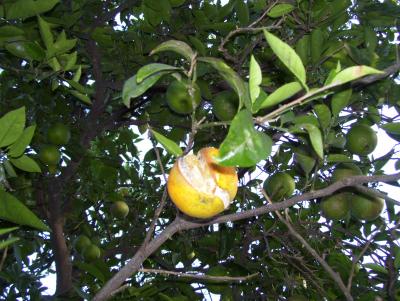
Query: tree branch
[180, 224]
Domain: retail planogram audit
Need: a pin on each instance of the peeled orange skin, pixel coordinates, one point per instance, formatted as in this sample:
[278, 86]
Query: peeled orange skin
[186, 195]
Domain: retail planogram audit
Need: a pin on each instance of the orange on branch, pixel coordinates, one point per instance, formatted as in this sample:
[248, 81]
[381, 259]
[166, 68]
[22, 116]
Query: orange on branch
[199, 187]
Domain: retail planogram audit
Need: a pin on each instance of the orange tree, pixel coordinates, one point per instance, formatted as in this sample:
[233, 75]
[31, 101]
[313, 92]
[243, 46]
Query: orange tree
[303, 72]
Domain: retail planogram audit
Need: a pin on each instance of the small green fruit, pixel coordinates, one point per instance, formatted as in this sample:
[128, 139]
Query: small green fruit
[182, 97]
[50, 155]
[59, 134]
[337, 206]
[91, 253]
[120, 209]
[81, 243]
[345, 170]
[279, 186]
[361, 140]
[366, 208]
[225, 105]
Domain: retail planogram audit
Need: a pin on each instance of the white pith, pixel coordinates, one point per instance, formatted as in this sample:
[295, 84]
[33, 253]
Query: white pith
[197, 173]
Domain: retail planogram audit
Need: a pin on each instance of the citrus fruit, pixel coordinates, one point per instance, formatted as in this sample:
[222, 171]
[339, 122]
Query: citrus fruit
[279, 186]
[199, 187]
[81, 243]
[50, 155]
[345, 170]
[91, 252]
[225, 105]
[361, 139]
[365, 207]
[119, 209]
[337, 206]
[58, 134]
[182, 97]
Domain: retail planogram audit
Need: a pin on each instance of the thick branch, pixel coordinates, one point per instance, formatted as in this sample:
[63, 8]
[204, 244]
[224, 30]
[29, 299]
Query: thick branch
[179, 224]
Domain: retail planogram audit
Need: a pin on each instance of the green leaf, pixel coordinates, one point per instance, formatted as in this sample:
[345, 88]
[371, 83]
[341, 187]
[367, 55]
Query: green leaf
[255, 79]
[25, 163]
[353, 73]
[176, 46]
[8, 230]
[244, 146]
[280, 94]
[92, 270]
[324, 115]
[315, 137]
[11, 126]
[201, 49]
[28, 8]
[242, 12]
[280, 9]
[18, 147]
[26, 50]
[287, 56]
[151, 69]
[12, 210]
[168, 144]
[392, 128]
[61, 45]
[317, 45]
[132, 89]
[233, 79]
[306, 163]
[376, 268]
[45, 32]
[9, 169]
[7, 242]
[340, 100]
[82, 97]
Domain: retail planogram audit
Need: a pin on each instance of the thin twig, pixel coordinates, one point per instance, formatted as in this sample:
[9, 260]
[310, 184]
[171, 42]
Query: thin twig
[357, 259]
[3, 258]
[335, 276]
[201, 276]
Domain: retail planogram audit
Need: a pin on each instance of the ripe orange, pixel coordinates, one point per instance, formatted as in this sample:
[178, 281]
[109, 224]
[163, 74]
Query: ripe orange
[199, 187]
[361, 140]
[183, 97]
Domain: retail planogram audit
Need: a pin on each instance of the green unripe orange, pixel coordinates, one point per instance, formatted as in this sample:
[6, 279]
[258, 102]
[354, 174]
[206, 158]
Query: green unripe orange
[119, 209]
[182, 97]
[58, 134]
[345, 170]
[91, 253]
[50, 155]
[366, 208]
[361, 140]
[279, 186]
[81, 243]
[225, 105]
[337, 206]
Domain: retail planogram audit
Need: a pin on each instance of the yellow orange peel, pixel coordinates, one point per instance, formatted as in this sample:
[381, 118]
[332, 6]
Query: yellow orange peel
[199, 187]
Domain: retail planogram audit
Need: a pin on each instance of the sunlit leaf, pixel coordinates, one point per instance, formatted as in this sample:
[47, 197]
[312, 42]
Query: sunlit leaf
[280, 9]
[340, 100]
[11, 126]
[168, 144]
[151, 69]
[255, 79]
[233, 79]
[353, 73]
[280, 94]
[244, 146]
[176, 46]
[18, 147]
[287, 56]
[12, 210]
[25, 163]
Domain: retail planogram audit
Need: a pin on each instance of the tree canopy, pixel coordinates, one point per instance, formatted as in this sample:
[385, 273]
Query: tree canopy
[99, 99]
